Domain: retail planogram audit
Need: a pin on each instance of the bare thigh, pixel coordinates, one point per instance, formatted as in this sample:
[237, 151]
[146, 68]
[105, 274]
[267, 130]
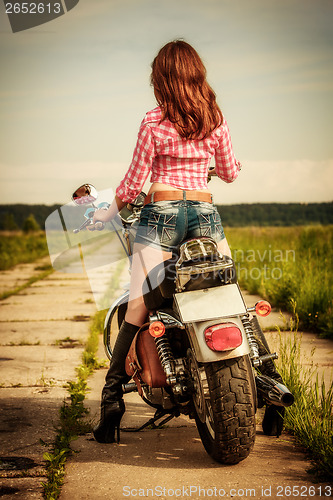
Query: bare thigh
[145, 258]
[224, 247]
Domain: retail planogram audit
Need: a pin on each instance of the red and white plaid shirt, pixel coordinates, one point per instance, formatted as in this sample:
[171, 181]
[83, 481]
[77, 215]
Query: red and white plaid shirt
[175, 161]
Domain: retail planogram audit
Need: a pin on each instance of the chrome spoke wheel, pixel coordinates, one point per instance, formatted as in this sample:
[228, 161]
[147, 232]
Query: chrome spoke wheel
[201, 396]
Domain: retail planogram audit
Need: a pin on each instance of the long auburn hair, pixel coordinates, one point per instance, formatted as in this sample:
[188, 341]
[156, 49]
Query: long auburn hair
[182, 91]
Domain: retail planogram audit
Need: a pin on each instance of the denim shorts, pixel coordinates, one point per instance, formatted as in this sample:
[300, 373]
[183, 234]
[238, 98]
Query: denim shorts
[165, 224]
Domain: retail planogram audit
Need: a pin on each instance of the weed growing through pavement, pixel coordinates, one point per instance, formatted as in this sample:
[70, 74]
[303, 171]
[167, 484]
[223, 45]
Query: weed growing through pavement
[28, 283]
[44, 267]
[68, 343]
[44, 382]
[310, 418]
[21, 343]
[73, 421]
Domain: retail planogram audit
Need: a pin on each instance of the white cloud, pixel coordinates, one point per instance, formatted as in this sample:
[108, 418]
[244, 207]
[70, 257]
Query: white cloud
[278, 181]
[258, 182]
[49, 183]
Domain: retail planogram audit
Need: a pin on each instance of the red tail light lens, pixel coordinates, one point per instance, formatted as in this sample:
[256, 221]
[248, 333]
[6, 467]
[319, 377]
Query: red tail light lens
[156, 329]
[263, 308]
[223, 337]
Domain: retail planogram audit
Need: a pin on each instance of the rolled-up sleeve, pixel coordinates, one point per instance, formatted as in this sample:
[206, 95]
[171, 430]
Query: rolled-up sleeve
[144, 153]
[226, 165]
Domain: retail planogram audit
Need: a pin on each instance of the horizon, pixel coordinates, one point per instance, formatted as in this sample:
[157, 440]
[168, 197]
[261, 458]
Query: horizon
[217, 204]
[74, 91]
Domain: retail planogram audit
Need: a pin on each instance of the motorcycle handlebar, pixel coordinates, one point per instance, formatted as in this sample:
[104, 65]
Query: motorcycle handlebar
[98, 226]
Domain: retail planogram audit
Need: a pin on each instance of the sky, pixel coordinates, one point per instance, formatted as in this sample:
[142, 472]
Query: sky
[73, 92]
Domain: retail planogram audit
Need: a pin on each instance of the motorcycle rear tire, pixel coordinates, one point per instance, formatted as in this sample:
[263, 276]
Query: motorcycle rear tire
[230, 434]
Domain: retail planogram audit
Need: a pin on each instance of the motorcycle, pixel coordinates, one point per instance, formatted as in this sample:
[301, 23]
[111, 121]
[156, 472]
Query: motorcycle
[202, 352]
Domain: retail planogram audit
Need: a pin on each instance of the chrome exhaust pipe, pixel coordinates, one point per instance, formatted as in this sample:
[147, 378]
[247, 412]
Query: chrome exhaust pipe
[274, 392]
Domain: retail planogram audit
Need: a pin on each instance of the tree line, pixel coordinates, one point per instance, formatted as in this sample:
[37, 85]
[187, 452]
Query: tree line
[276, 214]
[32, 217]
[24, 217]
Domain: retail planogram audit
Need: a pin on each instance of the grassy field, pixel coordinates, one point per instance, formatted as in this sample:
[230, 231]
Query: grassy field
[310, 418]
[279, 263]
[17, 247]
[288, 263]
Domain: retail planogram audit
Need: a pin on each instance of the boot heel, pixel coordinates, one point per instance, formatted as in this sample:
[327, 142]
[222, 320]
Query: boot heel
[111, 416]
[113, 432]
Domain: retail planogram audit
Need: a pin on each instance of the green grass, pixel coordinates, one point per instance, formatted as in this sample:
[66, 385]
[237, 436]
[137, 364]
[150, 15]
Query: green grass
[72, 421]
[18, 247]
[287, 263]
[310, 418]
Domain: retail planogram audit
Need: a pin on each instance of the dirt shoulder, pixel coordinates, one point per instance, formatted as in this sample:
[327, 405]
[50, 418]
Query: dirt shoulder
[35, 364]
[37, 359]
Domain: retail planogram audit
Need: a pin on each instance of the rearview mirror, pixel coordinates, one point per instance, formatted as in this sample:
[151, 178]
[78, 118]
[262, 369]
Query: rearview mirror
[85, 195]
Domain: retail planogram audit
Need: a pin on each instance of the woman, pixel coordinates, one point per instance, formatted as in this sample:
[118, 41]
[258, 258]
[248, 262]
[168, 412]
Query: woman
[176, 142]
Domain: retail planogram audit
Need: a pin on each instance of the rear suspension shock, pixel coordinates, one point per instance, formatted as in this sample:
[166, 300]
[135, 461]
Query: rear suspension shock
[254, 350]
[166, 358]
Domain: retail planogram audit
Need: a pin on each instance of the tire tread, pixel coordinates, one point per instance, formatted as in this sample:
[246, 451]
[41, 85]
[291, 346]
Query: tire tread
[233, 405]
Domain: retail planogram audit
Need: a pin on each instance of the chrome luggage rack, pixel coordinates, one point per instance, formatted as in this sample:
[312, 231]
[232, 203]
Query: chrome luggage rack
[199, 257]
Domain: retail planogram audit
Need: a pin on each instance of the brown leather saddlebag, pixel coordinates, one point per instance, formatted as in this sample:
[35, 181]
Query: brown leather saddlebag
[143, 363]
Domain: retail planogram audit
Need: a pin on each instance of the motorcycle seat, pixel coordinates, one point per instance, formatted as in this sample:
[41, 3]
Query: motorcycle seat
[160, 285]
[196, 273]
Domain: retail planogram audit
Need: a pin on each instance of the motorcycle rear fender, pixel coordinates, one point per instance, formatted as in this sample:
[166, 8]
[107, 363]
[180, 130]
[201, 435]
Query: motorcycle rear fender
[200, 309]
[203, 353]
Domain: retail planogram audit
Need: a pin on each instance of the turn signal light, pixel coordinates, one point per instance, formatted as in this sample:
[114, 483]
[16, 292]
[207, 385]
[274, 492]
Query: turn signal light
[223, 337]
[263, 308]
[156, 329]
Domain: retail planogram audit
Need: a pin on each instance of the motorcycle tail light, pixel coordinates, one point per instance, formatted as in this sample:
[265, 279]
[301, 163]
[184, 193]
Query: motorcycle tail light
[156, 329]
[223, 337]
[263, 308]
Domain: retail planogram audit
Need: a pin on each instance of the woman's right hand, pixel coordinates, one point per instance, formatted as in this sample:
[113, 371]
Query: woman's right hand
[101, 215]
[211, 173]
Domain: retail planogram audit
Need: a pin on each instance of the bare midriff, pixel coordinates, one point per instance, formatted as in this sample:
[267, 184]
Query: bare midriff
[158, 186]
